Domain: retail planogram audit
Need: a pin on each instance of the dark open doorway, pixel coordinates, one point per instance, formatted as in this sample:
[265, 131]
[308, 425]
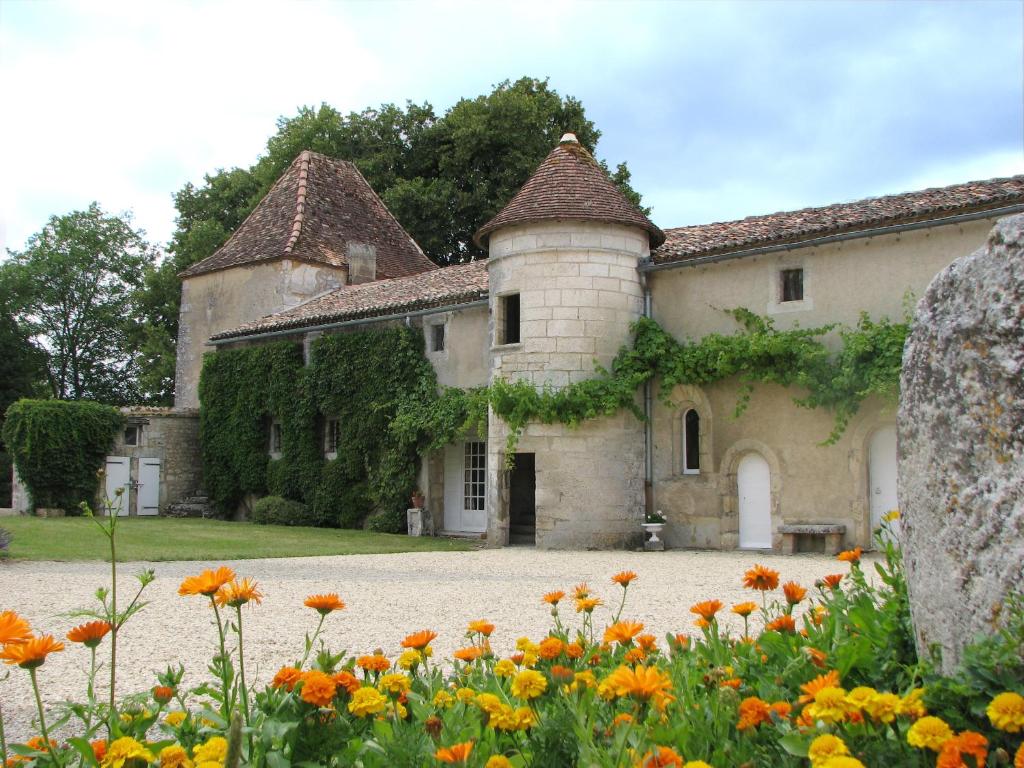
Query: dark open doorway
[522, 500]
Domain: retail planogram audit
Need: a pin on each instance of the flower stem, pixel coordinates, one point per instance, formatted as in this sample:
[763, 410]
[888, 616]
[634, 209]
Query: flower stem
[241, 667]
[223, 661]
[42, 718]
[312, 640]
[3, 739]
[113, 612]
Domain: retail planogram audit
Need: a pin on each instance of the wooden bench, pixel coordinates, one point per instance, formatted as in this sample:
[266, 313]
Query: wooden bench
[832, 532]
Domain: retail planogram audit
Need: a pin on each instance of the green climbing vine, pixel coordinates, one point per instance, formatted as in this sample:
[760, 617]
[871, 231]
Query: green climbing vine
[384, 392]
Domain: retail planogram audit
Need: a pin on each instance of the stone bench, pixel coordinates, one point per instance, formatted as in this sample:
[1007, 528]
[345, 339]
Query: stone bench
[832, 532]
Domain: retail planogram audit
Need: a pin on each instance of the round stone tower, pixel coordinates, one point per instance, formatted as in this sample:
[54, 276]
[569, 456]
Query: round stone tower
[564, 289]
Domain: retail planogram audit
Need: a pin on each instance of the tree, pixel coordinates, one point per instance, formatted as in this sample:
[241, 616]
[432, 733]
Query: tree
[74, 290]
[22, 377]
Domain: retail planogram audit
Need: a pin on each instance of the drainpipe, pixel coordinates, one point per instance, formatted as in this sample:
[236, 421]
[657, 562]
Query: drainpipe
[648, 415]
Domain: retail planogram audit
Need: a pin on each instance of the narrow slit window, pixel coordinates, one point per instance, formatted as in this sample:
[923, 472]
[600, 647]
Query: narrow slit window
[509, 319]
[792, 284]
[437, 338]
[332, 434]
[691, 442]
[276, 441]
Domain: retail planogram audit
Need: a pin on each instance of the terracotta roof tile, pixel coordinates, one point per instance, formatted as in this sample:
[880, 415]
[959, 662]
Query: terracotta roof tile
[459, 284]
[314, 212]
[569, 184]
[688, 243]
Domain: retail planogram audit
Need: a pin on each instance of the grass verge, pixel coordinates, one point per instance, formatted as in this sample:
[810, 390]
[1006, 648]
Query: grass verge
[161, 539]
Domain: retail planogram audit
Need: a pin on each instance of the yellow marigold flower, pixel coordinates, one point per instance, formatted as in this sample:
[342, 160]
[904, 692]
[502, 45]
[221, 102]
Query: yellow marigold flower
[696, 764]
[1006, 712]
[830, 705]
[508, 719]
[483, 627]
[465, 695]
[585, 678]
[175, 718]
[883, 707]
[443, 700]
[504, 668]
[31, 653]
[367, 701]
[237, 593]
[529, 684]
[707, 609]
[409, 658]
[214, 750]
[744, 609]
[929, 733]
[639, 682]
[419, 640]
[587, 604]
[395, 684]
[497, 761]
[912, 705]
[525, 644]
[457, 753]
[529, 660]
[89, 634]
[174, 756]
[318, 688]
[550, 648]
[488, 702]
[122, 750]
[324, 604]
[762, 578]
[841, 761]
[892, 514]
[824, 747]
[13, 628]
[859, 695]
[206, 583]
[623, 578]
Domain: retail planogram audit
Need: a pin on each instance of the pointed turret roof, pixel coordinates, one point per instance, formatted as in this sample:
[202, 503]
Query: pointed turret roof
[316, 211]
[570, 184]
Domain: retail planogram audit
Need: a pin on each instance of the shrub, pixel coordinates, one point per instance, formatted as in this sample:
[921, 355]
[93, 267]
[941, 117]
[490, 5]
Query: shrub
[5, 542]
[390, 520]
[58, 446]
[274, 510]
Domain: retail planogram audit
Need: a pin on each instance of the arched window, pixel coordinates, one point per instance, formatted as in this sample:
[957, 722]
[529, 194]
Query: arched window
[691, 442]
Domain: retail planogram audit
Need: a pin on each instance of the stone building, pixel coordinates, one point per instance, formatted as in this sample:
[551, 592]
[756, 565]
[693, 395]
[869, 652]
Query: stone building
[571, 264]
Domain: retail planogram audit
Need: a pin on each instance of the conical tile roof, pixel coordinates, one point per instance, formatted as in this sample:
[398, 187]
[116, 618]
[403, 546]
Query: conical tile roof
[569, 184]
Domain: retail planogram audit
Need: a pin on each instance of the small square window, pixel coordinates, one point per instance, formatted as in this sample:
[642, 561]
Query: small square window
[437, 338]
[792, 284]
[332, 435]
[133, 434]
[508, 328]
[276, 441]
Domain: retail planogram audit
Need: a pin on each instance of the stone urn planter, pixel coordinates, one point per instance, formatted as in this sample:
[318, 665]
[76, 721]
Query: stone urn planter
[654, 524]
[654, 529]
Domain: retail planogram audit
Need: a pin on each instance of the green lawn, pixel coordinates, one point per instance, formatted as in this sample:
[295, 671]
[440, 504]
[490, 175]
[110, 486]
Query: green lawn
[78, 538]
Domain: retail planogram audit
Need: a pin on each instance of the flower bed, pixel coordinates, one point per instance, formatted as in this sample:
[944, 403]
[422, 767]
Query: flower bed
[838, 686]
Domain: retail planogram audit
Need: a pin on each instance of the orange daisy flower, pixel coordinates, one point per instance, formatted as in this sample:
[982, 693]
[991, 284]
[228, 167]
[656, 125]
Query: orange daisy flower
[89, 634]
[851, 556]
[552, 598]
[707, 609]
[817, 657]
[647, 642]
[623, 632]
[483, 627]
[732, 682]
[784, 623]
[457, 753]
[624, 578]
[31, 653]
[419, 640]
[794, 592]
[324, 604]
[744, 609]
[639, 682]
[238, 593]
[206, 583]
[832, 580]
[581, 591]
[13, 628]
[634, 655]
[587, 604]
[762, 578]
[472, 653]
[810, 689]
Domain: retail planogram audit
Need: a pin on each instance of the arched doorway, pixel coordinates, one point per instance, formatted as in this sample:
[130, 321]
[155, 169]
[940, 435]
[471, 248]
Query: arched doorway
[754, 486]
[882, 474]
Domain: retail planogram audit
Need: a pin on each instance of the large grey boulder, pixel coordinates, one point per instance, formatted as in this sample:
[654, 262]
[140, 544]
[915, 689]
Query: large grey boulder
[961, 438]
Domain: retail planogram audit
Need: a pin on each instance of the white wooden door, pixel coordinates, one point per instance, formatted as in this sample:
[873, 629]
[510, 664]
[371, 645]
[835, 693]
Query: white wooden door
[147, 497]
[754, 479]
[882, 464]
[118, 476]
[465, 478]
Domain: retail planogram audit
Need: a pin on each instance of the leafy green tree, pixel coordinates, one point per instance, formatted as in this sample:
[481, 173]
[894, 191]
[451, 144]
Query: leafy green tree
[75, 292]
[22, 377]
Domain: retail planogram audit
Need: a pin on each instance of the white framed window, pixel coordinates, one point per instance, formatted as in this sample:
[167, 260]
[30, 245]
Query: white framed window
[332, 435]
[276, 440]
[133, 435]
[691, 442]
[475, 476]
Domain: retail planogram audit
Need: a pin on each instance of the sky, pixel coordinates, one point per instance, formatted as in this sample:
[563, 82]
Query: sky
[721, 109]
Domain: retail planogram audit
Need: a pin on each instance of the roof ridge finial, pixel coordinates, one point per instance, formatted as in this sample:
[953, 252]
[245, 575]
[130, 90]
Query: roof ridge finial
[568, 138]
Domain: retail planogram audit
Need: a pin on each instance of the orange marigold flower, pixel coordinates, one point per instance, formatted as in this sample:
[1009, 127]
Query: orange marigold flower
[782, 709]
[472, 653]
[560, 674]
[1018, 759]
[639, 682]
[324, 604]
[89, 634]
[624, 578]
[732, 682]
[286, 677]
[553, 598]
[419, 640]
[483, 627]
[810, 689]
[587, 604]
[13, 628]
[347, 681]
[31, 653]
[163, 694]
[581, 591]
[850, 555]
[753, 711]
[744, 609]
[966, 743]
[661, 757]
[762, 578]
[707, 609]
[375, 663]
[318, 688]
[794, 592]
[99, 748]
[784, 623]
[623, 632]
[206, 583]
[457, 753]
[574, 651]
[238, 593]
[832, 580]
[550, 648]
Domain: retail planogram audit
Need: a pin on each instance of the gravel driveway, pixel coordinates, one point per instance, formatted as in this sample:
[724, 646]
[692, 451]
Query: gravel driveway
[387, 596]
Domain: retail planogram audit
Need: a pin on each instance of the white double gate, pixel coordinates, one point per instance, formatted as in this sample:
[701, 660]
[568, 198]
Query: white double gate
[147, 492]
